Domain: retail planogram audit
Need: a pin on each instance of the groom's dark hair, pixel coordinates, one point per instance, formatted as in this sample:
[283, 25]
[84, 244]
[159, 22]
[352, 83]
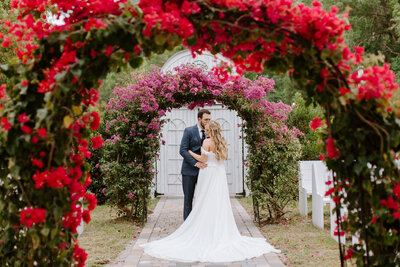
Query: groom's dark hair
[201, 112]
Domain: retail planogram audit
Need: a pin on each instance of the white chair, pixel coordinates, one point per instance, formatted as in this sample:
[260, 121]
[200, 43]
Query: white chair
[320, 175]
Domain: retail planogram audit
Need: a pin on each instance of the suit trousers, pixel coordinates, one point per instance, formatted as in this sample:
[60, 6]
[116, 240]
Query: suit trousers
[188, 184]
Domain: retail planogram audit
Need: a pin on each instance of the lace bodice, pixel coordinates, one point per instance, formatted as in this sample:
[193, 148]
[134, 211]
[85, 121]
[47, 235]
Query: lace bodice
[212, 160]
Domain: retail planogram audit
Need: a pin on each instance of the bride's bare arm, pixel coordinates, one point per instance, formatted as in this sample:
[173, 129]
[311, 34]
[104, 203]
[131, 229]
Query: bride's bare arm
[203, 157]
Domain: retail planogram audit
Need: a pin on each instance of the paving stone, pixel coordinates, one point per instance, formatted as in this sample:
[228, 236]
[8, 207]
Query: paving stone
[166, 218]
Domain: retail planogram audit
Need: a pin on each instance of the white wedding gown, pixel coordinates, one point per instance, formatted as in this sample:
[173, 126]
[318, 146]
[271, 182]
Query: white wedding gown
[209, 233]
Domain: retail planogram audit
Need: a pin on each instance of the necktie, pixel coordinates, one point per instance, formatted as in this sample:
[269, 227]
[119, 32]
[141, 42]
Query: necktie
[203, 136]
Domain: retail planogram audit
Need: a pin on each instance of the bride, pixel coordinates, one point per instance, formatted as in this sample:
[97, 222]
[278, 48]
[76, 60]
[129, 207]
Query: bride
[209, 234]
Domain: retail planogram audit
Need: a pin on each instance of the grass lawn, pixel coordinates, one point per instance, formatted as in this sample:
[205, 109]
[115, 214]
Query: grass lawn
[301, 243]
[107, 235]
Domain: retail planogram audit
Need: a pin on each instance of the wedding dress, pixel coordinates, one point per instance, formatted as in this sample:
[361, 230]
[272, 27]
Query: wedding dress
[209, 233]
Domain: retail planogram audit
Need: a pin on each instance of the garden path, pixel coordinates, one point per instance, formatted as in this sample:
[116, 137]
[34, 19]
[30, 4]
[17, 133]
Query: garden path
[166, 218]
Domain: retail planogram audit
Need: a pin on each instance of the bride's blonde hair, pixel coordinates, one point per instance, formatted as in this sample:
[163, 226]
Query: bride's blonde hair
[221, 148]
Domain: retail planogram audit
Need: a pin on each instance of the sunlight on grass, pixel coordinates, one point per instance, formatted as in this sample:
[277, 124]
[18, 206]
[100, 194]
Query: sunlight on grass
[107, 235]
[301, 243]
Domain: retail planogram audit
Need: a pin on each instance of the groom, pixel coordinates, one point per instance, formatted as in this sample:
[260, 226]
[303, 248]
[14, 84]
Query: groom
[192, 139]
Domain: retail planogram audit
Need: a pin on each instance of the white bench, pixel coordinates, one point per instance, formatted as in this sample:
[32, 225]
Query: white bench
[320, 175]
[305, 184]
[334, 228]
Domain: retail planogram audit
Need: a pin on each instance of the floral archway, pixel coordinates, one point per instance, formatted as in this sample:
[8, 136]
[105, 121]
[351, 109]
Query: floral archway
[135, 119]
[55, 78]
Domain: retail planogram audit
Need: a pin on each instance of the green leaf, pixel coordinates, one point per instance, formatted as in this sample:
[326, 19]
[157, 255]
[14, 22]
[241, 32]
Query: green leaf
[35, 240]
[192, 40]
[54, 233]
[77, 110]
[45, 231]
[136, 62]
[4, 67]
[41, 113]
[160, 39]
[67, 121]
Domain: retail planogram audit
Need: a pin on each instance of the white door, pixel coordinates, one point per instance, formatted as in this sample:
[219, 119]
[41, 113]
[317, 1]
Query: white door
[169, 178]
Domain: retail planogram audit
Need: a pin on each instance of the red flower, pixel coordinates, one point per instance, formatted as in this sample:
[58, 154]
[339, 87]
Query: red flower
[42, 132]
[324, 74]
[321, 157]
[86, 216]
[396, 215]
[330, 191]
[330, 148]
[55, 178]
[38, 163]
[94, 125]
[58, 178]
[390, 203]
[396, 191]
[137, 49]
[80, 256]
[97, 142]
[29, 216]
[77, 159]
[3, 90]
[34, 139]
[349, 254]
[88, 180]
[109, 50]
[344, 91]
[374, 219]
[83, 143]
[315, 123]
[93, 53]
[91, 199]
[6, 124]
[26, 129]
[40, 179]
[24, 83]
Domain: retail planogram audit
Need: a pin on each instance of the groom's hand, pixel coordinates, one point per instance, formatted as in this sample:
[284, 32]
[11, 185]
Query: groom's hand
[200, 165]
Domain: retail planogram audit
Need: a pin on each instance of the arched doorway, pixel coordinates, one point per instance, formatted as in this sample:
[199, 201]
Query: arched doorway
[169, 180]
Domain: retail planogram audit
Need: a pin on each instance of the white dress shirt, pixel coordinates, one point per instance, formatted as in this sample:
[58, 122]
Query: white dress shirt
[199, 129]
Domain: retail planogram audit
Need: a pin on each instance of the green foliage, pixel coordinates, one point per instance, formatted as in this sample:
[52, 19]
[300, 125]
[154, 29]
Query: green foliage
[272, 175]
[300, 117]
[6, 54]
[128, 160]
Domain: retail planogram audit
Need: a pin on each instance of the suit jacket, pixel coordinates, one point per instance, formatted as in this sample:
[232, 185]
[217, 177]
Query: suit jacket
[190, 141]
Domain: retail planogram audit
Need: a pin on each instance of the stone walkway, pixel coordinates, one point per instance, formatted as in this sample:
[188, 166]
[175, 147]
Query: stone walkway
[166, 218]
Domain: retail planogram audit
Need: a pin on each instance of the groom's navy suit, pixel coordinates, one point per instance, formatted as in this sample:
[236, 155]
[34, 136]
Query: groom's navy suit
[191, 140]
